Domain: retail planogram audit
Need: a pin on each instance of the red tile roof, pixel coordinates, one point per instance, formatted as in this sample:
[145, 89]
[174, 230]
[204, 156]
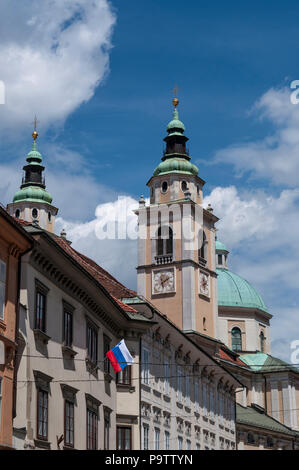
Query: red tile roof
[233, 358]
[116, 290]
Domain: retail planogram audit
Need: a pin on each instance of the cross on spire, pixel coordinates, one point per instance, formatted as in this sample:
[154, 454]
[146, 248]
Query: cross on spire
[35, 134]
[175, 100]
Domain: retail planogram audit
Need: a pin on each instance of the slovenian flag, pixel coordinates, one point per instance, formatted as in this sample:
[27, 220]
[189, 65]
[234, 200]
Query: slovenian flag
[119, 356]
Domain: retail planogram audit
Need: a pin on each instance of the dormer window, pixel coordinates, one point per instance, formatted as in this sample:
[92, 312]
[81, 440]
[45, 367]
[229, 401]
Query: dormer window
[220, 260]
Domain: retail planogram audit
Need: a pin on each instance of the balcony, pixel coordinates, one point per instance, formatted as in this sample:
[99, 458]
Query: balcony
[163, 259]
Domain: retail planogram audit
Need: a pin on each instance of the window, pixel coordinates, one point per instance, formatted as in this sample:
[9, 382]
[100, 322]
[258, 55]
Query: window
[145, 437]
[17, 214]
[220, 259]
[40, 306]
[145, 366]
[106, 429]
[69, 423]
[188, 445]
[166, 374]
[179, 384]
[262, 341]
[165, 241]
[42, 414]
[67, 326]
[212, 403]
[197, 446]
[124, 376]
[34, 213]
[92, 430]
[250, 438]
[184, 186]
[196, 394]
[166, 440]
[202, 244]
[124, 438]
[269, 442]
[236, 339]
[2, 288]
[106, 349]
[204, 399]
[180, 443]
[157, 439]
[164, 186]
[92, 343]
[187, 387]
[49, 216]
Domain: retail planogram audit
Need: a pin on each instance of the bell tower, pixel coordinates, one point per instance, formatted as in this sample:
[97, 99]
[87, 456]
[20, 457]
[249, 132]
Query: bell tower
[32, 202]
[176, 246]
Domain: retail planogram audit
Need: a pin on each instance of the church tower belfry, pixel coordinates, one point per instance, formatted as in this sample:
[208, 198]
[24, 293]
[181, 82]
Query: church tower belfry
[179, 278]
[33, 203]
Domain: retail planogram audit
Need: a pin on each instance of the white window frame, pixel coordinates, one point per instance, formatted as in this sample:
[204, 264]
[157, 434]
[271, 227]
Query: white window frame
[166, 440]
[179, 384]
[145, 437]
[187, 388]
[196, 394]
[166, 375]
[145, 365]
[2, 288]
[157, 438]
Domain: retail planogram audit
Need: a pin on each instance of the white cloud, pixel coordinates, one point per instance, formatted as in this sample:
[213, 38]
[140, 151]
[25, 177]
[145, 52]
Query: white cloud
[53, 54]
[118, 256]
[276, 157]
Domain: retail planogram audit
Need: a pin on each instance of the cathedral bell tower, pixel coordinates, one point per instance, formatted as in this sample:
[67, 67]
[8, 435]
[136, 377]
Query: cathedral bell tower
[32, 202]
[177, 276]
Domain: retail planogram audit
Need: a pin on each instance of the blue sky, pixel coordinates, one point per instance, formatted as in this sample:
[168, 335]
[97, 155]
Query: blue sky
[100, 79]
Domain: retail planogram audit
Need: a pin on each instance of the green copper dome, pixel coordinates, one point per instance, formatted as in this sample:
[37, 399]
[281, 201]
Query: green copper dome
[176, 165]
[34, 194]
[34, 157]
[220, 246]
[234, 291]
[175, 123]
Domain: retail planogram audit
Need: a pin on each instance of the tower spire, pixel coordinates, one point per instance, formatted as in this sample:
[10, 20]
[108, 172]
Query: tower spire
[33, 202]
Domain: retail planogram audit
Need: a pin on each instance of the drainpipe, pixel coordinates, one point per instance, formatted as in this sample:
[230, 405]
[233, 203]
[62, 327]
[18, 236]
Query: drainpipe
[17, 327]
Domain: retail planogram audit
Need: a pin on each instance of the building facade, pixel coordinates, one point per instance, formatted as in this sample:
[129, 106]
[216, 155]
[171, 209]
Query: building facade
[14, 242]
[67, 390]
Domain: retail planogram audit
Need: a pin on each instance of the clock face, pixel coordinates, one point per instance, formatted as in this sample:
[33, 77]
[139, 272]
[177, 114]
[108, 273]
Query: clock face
[204, 284]
[163, 281]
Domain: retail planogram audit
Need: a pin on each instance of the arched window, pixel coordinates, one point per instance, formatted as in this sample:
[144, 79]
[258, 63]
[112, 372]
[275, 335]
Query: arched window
[17, 214]
[250, 438]
[262, 341]
[270, 442]
[236, 339]
[203, 243]
[165, 241]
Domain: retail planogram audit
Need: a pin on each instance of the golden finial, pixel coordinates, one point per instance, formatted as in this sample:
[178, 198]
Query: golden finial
[175, 100]
[35, 133]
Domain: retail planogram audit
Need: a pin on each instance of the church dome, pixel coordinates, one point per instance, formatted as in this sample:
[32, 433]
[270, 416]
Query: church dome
[176, 165]
[34, 194]
[235, 291]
